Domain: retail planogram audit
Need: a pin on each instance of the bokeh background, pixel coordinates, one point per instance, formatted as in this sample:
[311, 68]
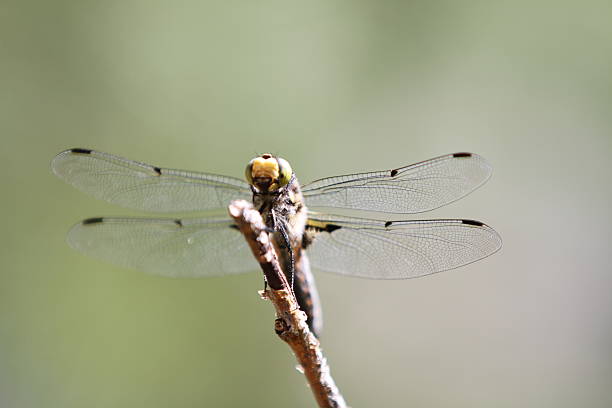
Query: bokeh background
[334, 87]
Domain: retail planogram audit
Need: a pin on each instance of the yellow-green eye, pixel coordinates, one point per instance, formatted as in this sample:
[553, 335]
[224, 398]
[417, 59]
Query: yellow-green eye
[248, 172]
[285, 172]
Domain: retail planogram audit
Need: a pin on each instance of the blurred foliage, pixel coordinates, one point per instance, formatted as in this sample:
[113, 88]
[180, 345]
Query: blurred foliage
[334, 87]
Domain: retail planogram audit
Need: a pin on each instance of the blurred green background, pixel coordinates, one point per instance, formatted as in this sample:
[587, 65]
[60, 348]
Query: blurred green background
[333, 87]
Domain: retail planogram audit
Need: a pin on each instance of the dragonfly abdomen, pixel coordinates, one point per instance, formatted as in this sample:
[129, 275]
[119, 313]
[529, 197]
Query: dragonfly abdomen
[306, 294]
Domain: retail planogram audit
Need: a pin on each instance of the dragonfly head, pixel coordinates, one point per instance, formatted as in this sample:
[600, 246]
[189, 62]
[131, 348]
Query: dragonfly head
[268, 174]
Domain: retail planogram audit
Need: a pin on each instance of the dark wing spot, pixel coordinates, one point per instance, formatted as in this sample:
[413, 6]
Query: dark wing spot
[388, 224]
[95, 220]
[472, 222]
[178, 222]
[234, 226]
[462, 155]
[394, 172]
[78, 150]
[327, 228]
[331, 228]
[157, 170]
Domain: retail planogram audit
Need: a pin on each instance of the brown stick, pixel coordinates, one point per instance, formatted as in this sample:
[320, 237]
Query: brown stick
[290, 323]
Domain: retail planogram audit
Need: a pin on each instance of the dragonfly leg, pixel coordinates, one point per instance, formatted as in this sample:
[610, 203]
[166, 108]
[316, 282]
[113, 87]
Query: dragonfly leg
[283, 233]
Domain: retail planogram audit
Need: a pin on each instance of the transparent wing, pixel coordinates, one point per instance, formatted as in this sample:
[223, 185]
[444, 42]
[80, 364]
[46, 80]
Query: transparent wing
[187, 248]
[411, 189]
[144, 187]
[399, 249]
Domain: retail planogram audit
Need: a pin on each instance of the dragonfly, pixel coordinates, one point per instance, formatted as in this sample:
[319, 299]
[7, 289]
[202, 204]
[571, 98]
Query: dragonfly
[313, 226]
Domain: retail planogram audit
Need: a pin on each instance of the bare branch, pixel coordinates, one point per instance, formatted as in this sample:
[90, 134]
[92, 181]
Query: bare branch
[290, 323]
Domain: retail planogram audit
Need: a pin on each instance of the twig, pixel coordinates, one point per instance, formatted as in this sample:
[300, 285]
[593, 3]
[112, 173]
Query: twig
[290, 324]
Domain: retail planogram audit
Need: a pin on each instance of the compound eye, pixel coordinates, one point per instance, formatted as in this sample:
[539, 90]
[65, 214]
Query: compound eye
[285, 172]
[248, 172]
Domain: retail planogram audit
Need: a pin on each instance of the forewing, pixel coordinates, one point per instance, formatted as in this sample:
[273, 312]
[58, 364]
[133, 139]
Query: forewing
[411, 189]
[188, 248]
[144, 187]
[399, 249]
